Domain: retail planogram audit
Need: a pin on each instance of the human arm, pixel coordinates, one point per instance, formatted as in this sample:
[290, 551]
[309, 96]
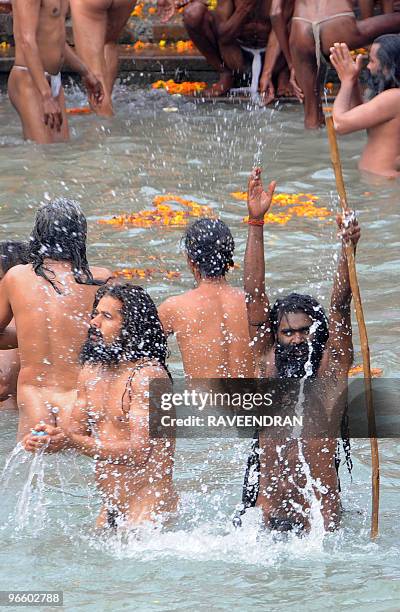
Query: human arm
[349, 95]
[230, 19]
[272, 54]
[134, 450]
[349, 114]
[257, 303]
[166, 314]
[340, 343]
[26, 14]
[8, 334]
[93, 85]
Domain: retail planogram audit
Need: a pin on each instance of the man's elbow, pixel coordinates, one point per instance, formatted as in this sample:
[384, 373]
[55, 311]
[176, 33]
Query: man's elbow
[341, 127]
[28, 42]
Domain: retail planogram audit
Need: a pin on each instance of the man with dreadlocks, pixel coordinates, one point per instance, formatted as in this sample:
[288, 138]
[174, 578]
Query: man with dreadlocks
[380, 115]
[50, 299]
[208, 320]
[294, 339]
[125, 349]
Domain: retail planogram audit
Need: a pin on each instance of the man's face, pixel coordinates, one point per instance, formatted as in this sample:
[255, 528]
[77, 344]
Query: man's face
[106, 323]
[374, 65]
[292, 349]
[294, 329]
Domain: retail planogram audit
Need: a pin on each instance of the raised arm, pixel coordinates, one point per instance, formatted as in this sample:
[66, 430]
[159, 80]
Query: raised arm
[258, 309]
[340, 343]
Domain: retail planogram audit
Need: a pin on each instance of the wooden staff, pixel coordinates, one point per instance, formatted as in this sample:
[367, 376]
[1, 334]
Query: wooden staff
[337, 167]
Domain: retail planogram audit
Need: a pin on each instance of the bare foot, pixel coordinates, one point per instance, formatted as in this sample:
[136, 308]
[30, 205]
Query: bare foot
[221, 87]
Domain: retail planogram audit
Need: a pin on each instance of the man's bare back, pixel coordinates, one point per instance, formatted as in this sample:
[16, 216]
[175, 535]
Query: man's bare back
[209, 324]
[51, 328]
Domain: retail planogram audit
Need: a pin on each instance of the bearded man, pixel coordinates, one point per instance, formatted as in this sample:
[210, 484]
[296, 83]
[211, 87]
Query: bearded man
[294, 480]
[380, 115]
[126, 349]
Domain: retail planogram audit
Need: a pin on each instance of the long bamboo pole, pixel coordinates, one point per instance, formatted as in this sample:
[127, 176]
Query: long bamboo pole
[355, 289]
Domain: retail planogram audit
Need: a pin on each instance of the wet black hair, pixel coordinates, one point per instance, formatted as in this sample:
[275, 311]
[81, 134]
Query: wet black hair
[59, 233]
[388, 55]
[13, 253]
[209, 245]
[297, 302]
[142, 334]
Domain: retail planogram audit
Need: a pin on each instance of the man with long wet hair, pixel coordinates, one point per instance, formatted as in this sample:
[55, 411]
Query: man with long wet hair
[208, 320]
[125, 349]
[50, 299]
[380, 115]
[294, 339]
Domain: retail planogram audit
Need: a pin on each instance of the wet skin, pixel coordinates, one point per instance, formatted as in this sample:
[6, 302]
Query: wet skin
[51, 329]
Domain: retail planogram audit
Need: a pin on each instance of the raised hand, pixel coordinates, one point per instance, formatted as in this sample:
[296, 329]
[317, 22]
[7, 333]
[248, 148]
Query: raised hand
[258, 200]
[345, 66]
[349, 230]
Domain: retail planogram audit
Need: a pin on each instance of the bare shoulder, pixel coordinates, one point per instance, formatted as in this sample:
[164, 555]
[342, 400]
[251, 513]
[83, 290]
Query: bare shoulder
[102, 274]
[389, 97]
[17, 274]
[172, 304]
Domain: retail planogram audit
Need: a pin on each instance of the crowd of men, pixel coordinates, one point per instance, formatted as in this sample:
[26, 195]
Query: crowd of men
[288, 44]
[78, 349]
[88, 346]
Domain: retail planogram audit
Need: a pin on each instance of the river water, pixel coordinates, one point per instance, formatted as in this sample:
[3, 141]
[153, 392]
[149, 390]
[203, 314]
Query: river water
[202, 153]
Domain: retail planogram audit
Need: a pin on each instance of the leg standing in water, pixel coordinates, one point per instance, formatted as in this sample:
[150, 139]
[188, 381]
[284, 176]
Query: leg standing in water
[97, 26]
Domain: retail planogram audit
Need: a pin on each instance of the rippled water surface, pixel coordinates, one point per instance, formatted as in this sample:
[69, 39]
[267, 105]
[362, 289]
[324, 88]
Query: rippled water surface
[203, 153]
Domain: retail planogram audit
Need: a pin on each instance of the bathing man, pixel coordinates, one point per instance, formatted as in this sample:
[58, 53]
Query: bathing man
[97, 27]
[50, 299]
[316, 25]
[223, 36]
[34, 84]
[209, 320]
[281, 337]
[380, 116]
[125, 349]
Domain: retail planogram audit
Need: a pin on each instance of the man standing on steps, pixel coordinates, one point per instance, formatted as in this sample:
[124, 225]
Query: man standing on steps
[34, 84]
